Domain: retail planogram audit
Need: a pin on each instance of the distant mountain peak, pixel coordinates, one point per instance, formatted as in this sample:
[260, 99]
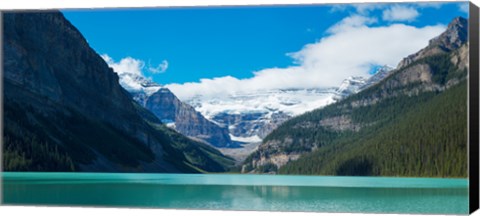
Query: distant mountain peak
[380, 74]
[383, 69]
[355, 84]
[454, 36]
[137, 83]
[350, 85]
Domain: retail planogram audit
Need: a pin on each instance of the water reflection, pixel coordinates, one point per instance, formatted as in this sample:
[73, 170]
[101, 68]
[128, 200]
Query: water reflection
[280, 198]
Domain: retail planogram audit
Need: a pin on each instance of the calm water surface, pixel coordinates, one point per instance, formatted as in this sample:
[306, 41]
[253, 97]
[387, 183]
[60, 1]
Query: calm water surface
[239, 192]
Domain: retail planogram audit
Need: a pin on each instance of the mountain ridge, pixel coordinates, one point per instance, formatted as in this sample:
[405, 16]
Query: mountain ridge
[331, 132]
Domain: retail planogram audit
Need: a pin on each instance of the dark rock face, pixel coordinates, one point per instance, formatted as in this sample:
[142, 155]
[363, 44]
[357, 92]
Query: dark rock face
[168, 108]
[61, 96]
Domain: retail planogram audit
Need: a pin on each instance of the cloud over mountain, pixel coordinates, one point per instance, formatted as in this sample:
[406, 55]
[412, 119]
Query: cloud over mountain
[351, 49]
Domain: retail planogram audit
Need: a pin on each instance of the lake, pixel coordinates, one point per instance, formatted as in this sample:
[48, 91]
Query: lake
[239, 192]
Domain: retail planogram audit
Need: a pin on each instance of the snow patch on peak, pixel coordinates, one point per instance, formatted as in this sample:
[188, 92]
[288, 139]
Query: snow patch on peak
[250, 116]
[349, 86]
[291, 101]
[139, 84]
[355, 84]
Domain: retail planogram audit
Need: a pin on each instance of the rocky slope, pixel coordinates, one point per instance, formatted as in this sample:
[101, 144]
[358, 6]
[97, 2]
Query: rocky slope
[184, 119]
[64, 109]
[417, 111]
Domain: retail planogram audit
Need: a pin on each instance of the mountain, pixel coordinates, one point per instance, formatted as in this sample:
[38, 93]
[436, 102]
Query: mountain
[411, 123]
[183, 118]
[64, 109]
[251, 116]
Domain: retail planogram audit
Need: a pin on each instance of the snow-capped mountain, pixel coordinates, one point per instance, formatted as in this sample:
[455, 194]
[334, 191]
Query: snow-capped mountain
[139, 87]
[251, 116]
[349, 86]
[355, 84]
[379, 75]
[136, 83]
[172, 112]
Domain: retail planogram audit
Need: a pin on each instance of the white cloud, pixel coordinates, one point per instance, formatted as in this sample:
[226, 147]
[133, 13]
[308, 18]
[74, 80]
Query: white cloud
[400, 13]
[366, 8]
[350, 22]
[350, 50]
[161, 68]
[125, 65]
[129, 70]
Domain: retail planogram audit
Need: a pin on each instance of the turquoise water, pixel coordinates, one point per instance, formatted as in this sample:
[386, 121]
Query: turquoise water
[239, 192]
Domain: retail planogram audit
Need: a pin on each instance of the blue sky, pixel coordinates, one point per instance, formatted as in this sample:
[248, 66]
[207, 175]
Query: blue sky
[184, 45]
